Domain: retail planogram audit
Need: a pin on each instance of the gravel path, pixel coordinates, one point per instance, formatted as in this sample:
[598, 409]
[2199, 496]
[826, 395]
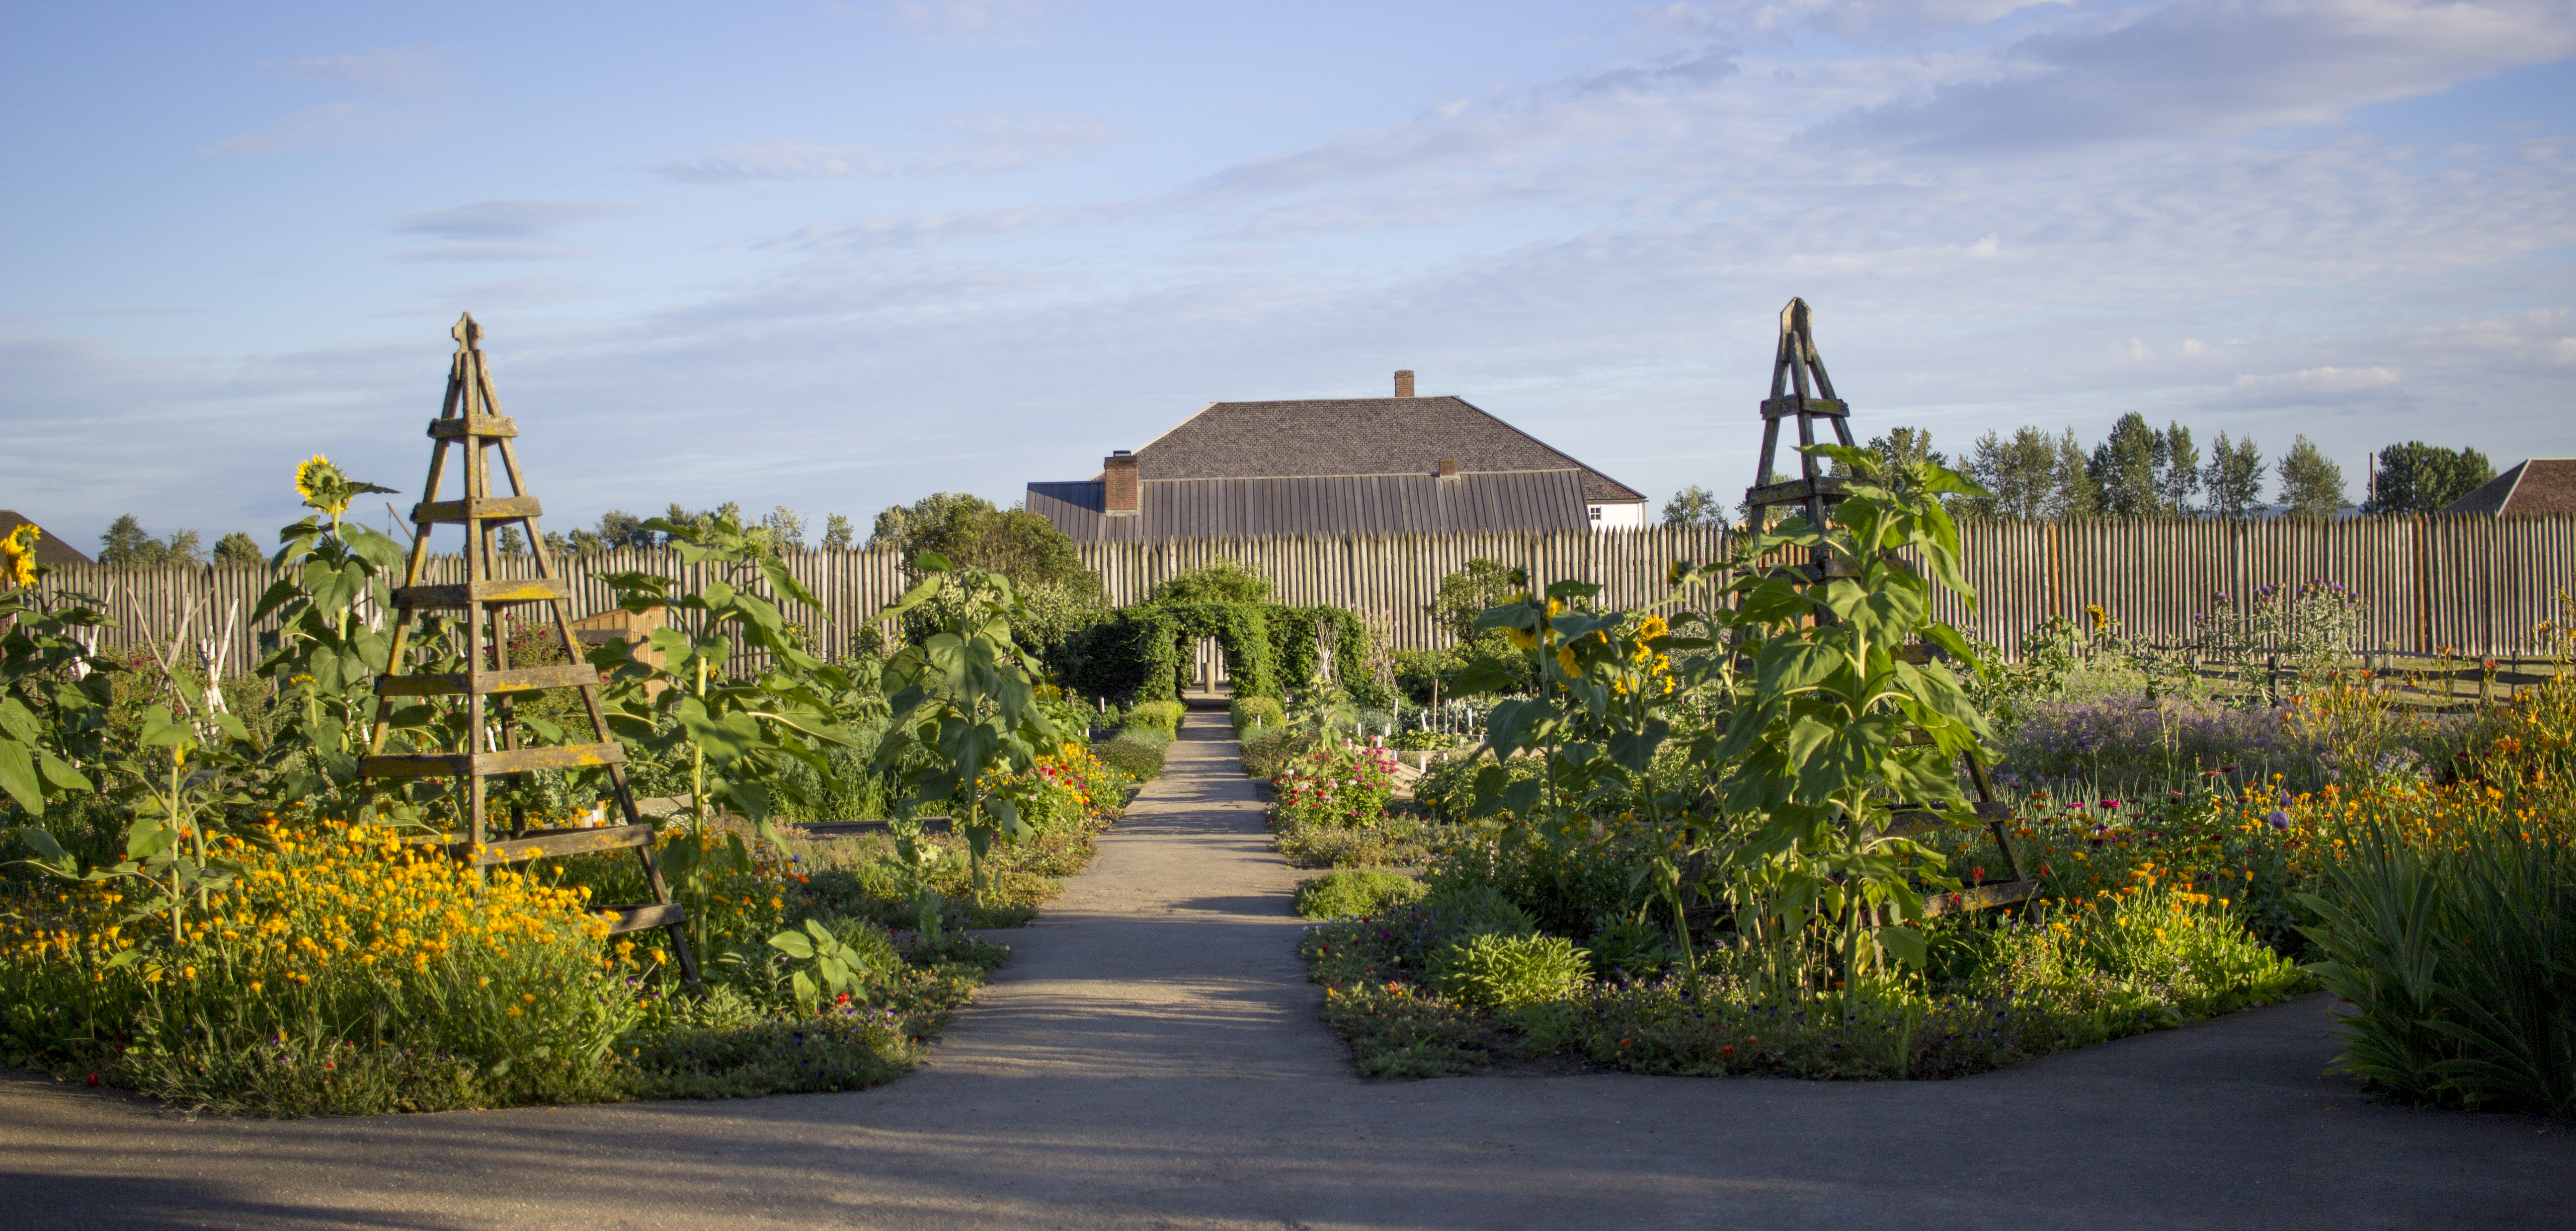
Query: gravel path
[1152, 1058]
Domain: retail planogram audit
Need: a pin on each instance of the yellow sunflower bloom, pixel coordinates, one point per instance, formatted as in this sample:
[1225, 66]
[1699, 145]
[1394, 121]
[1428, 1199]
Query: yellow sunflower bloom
[322, 485]
[18, 555]
[1521, 638]
[1565, 660]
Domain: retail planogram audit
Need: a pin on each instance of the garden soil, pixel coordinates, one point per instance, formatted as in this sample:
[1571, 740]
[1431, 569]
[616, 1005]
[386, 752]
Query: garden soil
[1152, 1058]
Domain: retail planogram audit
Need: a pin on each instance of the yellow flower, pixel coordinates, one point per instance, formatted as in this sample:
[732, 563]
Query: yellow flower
[2100, 620]
[18, 555]
[320, 484]
[1521, 638]
[1565, 660]
[1651, 627]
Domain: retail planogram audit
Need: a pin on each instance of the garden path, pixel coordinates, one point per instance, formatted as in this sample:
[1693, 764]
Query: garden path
[1152, 1058]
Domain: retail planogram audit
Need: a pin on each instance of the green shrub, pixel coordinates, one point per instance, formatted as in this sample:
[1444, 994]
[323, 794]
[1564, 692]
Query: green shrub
[1163, 716]
[1496, 971]
[1397, 841]
[1352, 895]
[1262, 711]
[1467, 910]
[2459, 960]
[1264, 754]
[1135, 753]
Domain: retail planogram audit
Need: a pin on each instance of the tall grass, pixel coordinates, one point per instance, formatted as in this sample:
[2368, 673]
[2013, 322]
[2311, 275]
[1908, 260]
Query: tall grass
[2459, 957]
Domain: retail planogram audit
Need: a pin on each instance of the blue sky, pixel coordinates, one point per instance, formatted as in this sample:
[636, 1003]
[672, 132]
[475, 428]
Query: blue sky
[843, 255]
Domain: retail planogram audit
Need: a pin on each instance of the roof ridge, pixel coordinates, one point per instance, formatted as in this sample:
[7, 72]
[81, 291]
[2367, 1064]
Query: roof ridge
[1579, 463]
[1367, 474]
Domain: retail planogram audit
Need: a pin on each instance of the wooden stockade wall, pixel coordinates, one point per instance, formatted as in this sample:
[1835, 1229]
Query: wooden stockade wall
[2476, 585]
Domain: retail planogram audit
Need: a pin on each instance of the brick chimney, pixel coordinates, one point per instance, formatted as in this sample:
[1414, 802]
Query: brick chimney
[1404, 383]
[1448, 467]
[1126, 496]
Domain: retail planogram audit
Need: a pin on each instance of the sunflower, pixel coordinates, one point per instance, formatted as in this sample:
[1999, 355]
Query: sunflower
[1521, 638]
[18, 554]
[322, 485]
[2100, 618]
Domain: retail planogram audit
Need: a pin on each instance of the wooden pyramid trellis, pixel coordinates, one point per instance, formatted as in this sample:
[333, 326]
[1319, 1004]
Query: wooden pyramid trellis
[470, 421]
[1796, 369]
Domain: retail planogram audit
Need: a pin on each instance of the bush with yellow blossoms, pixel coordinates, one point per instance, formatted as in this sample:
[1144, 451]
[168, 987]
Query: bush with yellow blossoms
[333, 949]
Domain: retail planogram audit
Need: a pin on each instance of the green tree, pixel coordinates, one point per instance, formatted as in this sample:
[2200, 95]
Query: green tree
[1899, 448]
[2178, 484]
[2019, 472]
[2141, 472]
[1465, 594]
[618, 528]
[973, 534]
[1694, 506]
[2074, 494]
[2311, 485]
[239, 550]
[837, 533]
[2234, 477]
[513, 542]
[1218, 581]
[786, 527]
[127, 543]
[2419, 478]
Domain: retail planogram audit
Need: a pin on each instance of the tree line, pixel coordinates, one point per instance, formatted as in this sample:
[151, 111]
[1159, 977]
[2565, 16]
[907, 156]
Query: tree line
[2143, 471]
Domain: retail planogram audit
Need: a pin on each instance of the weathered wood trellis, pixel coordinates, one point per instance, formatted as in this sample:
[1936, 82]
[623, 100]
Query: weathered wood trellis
[470, 421]
[1796, 368]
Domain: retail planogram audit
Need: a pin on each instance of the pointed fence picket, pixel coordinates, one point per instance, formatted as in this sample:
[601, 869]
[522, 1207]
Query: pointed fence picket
[2471, 585]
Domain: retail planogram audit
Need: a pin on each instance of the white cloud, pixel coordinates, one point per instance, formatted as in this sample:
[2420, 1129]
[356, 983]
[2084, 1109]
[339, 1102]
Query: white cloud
[388, 72]
[501, 230]
[2322, 380]
[1853, 19]
[966, 19]
[488, 220]
[344, 123]
[988, 143]
[329, 126]
[768, 160]
[2215, 68]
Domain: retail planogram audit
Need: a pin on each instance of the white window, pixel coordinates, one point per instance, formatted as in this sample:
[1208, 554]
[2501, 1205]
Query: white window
[1596, 512]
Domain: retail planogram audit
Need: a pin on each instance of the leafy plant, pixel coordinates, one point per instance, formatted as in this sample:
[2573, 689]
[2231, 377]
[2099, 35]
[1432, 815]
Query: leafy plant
[2457, 958]
[1835, 724]
[747, 730]
[968, 697]
[1500, 971]
[54, 694]
[329, 645]
[827, 966]
[1354, 894]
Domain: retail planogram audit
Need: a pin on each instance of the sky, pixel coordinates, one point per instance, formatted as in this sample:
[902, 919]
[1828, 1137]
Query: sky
[839, 256]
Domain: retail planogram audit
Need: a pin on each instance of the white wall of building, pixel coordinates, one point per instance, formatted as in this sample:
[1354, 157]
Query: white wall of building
[1628, 516]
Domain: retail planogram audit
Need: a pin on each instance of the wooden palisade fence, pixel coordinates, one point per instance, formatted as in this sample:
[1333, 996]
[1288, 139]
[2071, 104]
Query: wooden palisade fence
[2474, 585]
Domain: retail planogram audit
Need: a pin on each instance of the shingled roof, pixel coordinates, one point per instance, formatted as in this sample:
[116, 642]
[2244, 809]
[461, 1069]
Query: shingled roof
[2540, 487]
[1357, 436]
[1330, 504]
[50, 550]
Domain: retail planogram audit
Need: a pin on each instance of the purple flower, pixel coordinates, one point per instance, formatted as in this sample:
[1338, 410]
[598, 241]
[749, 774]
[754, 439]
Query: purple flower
[2278, 819]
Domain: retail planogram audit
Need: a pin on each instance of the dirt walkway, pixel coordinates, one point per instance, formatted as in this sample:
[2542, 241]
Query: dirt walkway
[1152, 1059]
